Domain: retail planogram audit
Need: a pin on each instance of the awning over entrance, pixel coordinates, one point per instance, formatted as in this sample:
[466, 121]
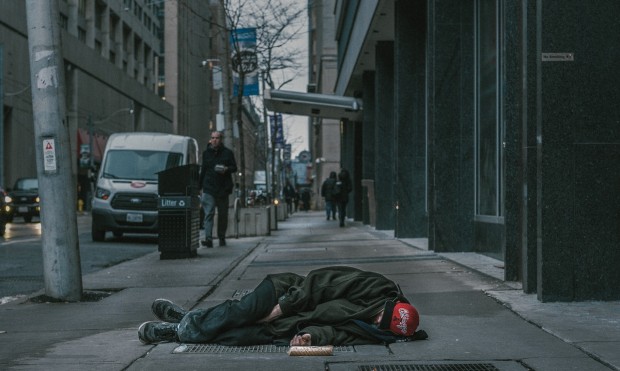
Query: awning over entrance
[313, 104]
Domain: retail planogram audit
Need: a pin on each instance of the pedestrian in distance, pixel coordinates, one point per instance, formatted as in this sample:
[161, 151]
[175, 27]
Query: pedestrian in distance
[218, 165]
[327, 192]
[342, 189]
[330, 306]
[305, 198]
[296, 200]
[289, 195]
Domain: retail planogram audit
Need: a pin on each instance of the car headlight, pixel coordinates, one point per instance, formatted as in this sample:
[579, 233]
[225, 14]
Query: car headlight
[8, 199]
[37, 200]
[103, 194]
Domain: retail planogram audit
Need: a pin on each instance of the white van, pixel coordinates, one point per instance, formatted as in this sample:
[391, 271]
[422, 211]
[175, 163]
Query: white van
[125, 198]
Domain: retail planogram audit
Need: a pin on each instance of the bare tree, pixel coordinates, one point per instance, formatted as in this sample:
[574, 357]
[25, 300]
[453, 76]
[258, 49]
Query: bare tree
[277, 24]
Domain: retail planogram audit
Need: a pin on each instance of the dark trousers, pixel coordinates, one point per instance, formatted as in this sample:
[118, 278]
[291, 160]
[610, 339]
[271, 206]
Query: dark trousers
[234, 321]
[342, 211]
[209, 203]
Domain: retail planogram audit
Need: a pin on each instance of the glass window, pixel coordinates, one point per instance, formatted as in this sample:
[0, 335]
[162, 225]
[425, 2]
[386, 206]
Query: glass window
[489, 131]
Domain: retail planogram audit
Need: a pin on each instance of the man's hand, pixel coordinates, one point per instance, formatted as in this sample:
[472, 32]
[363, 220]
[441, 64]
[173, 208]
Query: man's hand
[275, 313]
[301, 340]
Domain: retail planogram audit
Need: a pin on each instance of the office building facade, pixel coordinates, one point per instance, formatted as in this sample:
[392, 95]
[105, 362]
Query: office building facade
[490, 126]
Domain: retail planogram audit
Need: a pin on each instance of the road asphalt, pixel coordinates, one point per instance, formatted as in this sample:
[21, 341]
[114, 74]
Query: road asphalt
[474, 319]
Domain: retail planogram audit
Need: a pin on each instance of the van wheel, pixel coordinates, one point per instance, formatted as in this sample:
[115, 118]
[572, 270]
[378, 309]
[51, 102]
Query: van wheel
[28, 219]
[98, 235]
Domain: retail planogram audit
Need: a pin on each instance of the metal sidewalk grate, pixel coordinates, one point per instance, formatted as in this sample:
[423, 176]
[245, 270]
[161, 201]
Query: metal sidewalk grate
[431, 367]
[224, 349]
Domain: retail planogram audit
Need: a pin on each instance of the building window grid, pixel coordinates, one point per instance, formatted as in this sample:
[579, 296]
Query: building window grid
[64, 20]
[100, 18]
[82, 8]
[483, 210]
[82, 35]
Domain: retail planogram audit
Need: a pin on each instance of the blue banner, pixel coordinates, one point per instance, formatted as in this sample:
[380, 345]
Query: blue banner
[244, 60]
[277, 132]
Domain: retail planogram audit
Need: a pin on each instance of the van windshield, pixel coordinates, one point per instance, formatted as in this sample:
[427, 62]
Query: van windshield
[139, 165]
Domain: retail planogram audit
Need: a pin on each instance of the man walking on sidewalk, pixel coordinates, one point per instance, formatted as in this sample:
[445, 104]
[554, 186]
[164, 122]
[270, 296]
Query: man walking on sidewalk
[218, 165]
[341, 194]
[327, 191]
[330, 306]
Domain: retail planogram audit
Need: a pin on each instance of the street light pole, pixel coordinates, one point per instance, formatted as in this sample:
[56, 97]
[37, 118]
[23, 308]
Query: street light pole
[266, 144]
[90, 141]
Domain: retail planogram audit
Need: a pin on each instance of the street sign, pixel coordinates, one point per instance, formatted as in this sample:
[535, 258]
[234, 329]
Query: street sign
[49, 156]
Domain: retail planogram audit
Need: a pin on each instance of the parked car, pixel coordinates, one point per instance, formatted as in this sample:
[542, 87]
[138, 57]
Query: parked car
[24, 199]
[4, 211]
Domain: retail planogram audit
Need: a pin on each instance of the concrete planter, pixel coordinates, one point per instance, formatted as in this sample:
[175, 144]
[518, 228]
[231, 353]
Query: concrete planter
[253, 221]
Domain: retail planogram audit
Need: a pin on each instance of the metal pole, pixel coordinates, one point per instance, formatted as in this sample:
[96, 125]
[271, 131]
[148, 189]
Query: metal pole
[226, 81]
[91, 164]
[61, 255]
[1, 119]
[267, 128]
[90, 142]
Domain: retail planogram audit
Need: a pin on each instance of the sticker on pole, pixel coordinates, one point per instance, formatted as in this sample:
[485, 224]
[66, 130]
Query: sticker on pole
[49, 155]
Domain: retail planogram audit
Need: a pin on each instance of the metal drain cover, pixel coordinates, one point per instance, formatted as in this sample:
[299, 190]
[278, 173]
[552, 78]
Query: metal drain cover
[223, 349]
[431, 367]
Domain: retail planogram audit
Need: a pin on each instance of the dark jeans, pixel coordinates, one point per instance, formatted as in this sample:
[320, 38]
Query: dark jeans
[330, 209]
[234, 321]
[342, 211]
[209, 203]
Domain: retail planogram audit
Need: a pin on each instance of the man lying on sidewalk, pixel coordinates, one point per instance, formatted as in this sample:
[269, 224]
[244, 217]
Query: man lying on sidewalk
[330, 306]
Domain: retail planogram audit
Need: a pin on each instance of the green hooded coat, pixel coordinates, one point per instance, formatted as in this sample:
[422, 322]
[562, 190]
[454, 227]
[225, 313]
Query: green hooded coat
[325, 302]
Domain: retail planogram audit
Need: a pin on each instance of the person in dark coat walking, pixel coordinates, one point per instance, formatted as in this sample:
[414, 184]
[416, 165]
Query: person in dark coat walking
[330, 306]
[327, 191]
[343, 187]
[218, 165]
[289, 195]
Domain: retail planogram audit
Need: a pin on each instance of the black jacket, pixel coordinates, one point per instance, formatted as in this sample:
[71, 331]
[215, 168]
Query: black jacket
[212, 182]
[343, 187]
[327, 189]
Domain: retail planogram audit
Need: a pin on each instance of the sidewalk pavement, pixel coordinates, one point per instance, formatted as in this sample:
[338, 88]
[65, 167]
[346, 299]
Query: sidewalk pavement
[474, 319]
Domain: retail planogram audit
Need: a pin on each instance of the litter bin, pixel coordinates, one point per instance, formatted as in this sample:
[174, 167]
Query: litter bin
[178, 211]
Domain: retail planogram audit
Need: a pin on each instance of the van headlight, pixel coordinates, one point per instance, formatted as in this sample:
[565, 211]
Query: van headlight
[8, 199]
[103, 194]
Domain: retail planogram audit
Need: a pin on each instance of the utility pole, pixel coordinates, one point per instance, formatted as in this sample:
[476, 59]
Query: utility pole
[57, 188]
